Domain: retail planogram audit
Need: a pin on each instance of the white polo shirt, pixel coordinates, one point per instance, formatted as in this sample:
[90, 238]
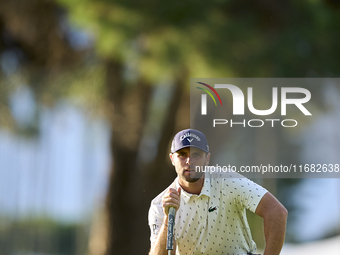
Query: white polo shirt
[213, 222]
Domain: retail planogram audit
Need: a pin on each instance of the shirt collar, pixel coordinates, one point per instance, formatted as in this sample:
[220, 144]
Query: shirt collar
[205, 190]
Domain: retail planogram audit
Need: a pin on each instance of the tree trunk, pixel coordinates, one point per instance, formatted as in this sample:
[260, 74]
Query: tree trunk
[128, 106]
[133, 185]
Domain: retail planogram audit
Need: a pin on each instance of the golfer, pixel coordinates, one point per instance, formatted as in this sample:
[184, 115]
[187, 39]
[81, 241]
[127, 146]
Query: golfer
[211, 211]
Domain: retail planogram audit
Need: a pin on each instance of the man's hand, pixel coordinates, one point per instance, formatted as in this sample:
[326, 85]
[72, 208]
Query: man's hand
[172, 198]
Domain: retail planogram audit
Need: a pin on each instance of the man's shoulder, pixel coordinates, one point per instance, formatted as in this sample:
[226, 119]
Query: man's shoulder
[231, 180]
[226, 177]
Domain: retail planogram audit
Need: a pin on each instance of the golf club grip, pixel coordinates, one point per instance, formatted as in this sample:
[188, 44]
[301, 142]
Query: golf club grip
[171, 222]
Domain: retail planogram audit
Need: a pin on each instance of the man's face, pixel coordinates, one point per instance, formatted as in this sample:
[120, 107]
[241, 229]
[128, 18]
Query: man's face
[186, 160]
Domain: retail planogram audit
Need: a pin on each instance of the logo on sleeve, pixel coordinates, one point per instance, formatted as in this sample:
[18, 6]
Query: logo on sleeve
[155, 229]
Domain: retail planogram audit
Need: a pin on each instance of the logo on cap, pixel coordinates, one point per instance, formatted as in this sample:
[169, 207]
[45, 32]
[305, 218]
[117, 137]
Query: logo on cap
[190, 135]
[189, 138]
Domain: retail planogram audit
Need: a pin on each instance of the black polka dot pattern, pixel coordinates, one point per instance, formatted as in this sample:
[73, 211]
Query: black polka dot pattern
[213, 222]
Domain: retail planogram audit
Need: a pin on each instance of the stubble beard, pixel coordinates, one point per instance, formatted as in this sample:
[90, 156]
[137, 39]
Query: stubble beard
[193, 176]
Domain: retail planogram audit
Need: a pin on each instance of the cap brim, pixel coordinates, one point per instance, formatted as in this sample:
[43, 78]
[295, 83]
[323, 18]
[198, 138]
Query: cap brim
[186, 146]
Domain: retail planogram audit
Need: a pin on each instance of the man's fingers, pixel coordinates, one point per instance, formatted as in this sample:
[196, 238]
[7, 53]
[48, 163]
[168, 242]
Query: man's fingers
[174, 195]
[171, 199]
[169, 204]
[171, 190]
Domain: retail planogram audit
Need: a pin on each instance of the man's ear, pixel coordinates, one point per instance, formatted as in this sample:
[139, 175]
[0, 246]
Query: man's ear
[208, 159]
[171, 156]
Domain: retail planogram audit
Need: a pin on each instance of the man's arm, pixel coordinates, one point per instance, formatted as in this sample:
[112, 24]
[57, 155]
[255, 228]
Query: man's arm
[170, 199]
[159, 247]
[274, 216]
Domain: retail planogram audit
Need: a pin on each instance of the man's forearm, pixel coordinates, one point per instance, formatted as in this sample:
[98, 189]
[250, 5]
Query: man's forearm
[159, 247]
[274, 231]
[274, 216]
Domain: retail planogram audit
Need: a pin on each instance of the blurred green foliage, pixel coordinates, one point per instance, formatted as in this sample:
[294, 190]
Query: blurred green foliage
[41, 235]
[215, 38]
[155, 41]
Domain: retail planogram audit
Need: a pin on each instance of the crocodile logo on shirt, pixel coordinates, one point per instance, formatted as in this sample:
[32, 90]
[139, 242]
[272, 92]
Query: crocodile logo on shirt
[211, 209]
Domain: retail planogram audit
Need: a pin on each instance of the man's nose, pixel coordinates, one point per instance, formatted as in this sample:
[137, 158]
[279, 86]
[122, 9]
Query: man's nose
[188, 160]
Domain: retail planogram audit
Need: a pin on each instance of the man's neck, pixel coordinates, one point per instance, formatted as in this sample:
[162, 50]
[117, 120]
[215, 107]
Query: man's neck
[192, 187]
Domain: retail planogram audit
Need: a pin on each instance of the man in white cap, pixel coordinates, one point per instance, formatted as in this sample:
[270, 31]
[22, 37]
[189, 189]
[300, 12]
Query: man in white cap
[211, 212]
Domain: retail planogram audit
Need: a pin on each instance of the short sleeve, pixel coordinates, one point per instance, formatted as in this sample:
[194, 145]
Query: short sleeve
[248, 193]
[156, 215]
[155, 218]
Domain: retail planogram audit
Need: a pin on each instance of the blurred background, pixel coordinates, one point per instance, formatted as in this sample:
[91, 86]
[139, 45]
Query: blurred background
[91, 93]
